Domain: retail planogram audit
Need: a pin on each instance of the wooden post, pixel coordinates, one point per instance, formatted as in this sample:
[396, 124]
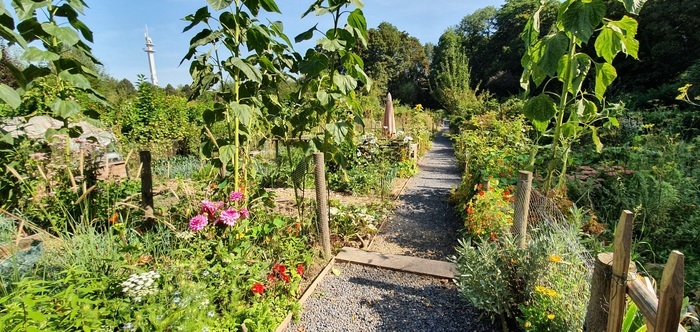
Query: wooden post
[621, 261]
[598, 304]
[671, 299]
[322, 204]
[522, 207]
[146, 187]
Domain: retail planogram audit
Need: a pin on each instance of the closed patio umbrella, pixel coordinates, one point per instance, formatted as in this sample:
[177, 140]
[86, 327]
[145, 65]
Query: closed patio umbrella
[388, 125]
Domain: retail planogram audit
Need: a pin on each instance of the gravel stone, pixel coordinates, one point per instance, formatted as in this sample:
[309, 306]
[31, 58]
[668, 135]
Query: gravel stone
[362, 298]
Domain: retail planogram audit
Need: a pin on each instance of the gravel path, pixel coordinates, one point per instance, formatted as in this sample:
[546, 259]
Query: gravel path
[425, 225]
[361, 298]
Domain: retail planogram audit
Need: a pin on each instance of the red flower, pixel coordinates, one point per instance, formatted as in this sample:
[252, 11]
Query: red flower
[279, 269]
[481, 193]
[285, 277]
[271, 277]
[258, 288]
[300, 269]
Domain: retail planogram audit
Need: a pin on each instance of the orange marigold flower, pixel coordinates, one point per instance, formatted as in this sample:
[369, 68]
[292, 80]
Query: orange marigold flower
[555, 258]
[481, 193]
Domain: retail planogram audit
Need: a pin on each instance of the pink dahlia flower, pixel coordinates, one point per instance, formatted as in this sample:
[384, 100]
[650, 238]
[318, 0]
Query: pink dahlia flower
[210, 208]
[244, 213]
[198, 222]
[229, 217]
[235, 196]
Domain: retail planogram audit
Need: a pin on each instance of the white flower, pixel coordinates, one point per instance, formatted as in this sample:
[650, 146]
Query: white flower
[334, 210]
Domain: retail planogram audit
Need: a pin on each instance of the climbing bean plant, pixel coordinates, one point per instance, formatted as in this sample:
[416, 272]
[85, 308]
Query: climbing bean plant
[559, 55]
[243, 57]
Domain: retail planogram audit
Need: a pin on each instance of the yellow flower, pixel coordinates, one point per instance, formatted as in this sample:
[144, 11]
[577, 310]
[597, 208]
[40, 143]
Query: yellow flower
[240, 236]
[551, 292]
[555, 258]
[550, 316]
[540, 289]
[528, 324]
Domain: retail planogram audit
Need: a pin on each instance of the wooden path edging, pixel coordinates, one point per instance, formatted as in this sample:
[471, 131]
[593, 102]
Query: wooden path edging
[428, 267]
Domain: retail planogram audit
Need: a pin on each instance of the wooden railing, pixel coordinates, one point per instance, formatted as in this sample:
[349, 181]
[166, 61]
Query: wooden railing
[615, 278]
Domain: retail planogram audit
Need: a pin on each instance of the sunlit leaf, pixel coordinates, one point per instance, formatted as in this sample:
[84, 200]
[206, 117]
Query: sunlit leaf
[356, 19]
[65, 35]
[10, 96]
[219, 4]
[344, 83]
[605, 74]
[582, 17]
[33, 54]
[596, 139]
[65, 108]
[77, 80]
[226, 153]
[633, 6]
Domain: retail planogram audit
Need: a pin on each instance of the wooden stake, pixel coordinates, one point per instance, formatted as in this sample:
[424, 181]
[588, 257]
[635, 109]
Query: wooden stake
[522, 207]
[671, 299]
[322, 204]
[621, 261]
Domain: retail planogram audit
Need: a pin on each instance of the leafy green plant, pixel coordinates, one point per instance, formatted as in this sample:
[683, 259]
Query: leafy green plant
[489, 214]
[559, 55]
[235, 29]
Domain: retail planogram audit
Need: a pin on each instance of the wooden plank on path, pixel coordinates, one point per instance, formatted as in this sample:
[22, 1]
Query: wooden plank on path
[408, 264]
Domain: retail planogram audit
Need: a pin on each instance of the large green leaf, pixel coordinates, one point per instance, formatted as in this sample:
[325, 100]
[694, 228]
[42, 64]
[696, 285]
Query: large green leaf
[10, 96]
[226, 153]
[219, 4]
[617, 36]
[270, 6]
[582, 17]
[532, 29]
[356, 19]
[201, 15]
[580, 66]
[250, 71]
[633, 6]
[77, 80]
[339, 130]
[345, 83]
[306, 35]
[547, 52]
[331, 45]
[244, 113]
[605, 74]
[313, 63]
[65, 108]
[64, 35]
[540, 108]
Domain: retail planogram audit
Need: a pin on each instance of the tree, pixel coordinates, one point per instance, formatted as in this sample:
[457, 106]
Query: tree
[396, 62]
[450, 75]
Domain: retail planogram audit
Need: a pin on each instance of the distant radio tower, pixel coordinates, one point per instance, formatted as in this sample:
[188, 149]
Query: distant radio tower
[151, 60]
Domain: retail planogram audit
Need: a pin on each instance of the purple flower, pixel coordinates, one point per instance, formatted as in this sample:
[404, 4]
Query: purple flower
[235, 196]
[198, 222]
[210, 208]
[229, 217]
[244, 213]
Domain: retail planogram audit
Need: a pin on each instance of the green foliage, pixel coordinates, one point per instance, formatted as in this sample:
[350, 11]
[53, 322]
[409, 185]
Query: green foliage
[489, 214]
[450, 75]
[543, 287]
[396, 62]
[558, 55]
[490, 147]
[238, 107]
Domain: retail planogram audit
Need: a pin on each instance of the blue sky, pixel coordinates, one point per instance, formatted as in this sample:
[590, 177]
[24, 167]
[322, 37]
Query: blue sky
[119, 27]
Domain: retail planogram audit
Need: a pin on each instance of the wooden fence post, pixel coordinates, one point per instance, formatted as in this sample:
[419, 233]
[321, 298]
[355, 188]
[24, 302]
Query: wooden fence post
[522, 207]
[621, 261]
[322, 204]
[671, 297]
[147, 187]
[598, 304]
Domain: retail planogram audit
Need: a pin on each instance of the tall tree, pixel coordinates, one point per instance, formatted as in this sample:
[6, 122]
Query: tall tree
[449, 73]
[396, 62]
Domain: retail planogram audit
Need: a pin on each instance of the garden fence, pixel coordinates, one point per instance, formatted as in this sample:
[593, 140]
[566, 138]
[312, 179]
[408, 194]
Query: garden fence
[612, 273]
